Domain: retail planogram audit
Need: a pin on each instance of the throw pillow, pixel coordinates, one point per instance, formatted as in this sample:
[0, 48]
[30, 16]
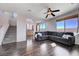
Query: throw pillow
[40, 34]
[35, 35]
[66, 36]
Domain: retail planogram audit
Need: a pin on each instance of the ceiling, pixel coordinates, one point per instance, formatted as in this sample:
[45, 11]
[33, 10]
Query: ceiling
[37, 10]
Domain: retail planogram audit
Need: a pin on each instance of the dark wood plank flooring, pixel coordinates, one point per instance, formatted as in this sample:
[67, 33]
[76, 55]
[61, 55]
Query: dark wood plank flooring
[34, 48]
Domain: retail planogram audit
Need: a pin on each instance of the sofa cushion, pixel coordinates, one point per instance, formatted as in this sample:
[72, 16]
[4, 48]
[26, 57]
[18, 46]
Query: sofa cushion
[52, 33]
[59, 34]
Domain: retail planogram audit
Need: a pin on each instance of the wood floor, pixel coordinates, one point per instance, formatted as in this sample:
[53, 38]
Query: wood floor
[34, 48]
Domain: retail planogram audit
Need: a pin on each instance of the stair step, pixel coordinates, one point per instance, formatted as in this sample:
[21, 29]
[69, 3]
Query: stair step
[10, 35]
[10, 39]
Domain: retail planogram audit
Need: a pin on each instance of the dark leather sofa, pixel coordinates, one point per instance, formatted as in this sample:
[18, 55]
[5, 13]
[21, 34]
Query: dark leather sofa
[56, 37]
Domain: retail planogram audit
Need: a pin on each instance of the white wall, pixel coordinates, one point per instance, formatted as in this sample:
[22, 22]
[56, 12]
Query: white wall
[21, 28]
[4, 22]
[51, 25]
[13, 21]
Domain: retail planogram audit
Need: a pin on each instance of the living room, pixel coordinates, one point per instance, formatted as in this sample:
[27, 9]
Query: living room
[42, 30]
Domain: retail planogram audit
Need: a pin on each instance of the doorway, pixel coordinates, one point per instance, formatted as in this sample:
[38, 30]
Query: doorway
[29, 30]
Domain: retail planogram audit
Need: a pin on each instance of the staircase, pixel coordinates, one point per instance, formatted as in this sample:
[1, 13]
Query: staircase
[10, 35]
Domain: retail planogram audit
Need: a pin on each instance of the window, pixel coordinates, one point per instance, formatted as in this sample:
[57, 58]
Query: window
[60, 26]
[69, 25]
[42, 26]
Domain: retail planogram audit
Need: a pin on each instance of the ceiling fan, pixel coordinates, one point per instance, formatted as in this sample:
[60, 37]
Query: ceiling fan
[50, 12]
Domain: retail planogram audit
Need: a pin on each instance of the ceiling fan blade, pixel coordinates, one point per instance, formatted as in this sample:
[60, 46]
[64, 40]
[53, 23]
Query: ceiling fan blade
[55, 10]
[46, 16]
[52, 14]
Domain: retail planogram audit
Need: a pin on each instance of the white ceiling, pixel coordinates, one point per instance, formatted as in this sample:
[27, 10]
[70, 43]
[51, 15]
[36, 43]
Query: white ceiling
[37, 10]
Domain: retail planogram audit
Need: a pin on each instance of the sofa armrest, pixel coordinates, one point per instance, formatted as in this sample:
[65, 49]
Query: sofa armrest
[71, 40]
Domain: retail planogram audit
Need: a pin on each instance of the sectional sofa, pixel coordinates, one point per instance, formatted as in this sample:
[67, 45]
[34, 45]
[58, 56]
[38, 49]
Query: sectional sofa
[56, 37]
